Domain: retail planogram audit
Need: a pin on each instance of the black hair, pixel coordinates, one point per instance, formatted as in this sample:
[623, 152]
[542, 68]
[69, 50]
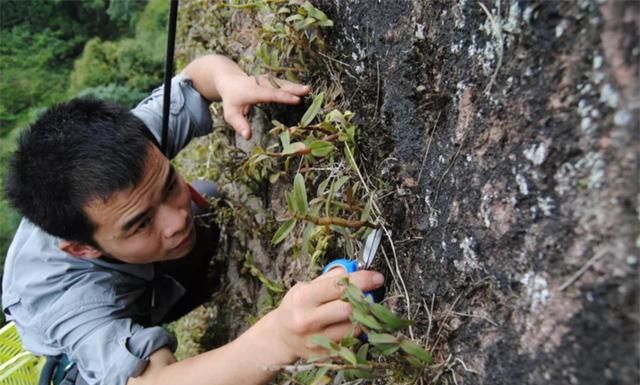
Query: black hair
[76, 152]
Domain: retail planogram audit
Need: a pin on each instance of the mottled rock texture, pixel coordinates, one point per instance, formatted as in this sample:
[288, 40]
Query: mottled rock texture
[510, 139]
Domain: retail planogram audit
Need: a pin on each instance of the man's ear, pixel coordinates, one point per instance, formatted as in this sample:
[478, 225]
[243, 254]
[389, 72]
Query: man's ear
[79, 249]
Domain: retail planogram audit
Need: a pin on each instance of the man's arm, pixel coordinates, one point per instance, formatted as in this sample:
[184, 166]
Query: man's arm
[279, 338]
[218, 78]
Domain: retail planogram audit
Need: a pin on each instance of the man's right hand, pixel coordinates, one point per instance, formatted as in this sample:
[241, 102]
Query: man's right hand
[279, 338]
[315, 308]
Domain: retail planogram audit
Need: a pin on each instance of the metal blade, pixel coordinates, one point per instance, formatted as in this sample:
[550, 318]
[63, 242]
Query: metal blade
[370, 248]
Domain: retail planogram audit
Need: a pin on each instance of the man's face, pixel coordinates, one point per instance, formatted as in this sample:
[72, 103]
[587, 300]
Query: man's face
[149, 222]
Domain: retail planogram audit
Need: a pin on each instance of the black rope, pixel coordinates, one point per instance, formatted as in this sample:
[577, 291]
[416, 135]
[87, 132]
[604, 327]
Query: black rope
[168, 74]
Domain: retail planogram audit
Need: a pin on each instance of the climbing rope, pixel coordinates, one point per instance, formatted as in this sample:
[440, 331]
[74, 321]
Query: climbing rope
[168, 74]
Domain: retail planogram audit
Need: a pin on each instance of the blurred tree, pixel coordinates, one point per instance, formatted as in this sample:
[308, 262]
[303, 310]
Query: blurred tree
[124, 12]
[115, 93]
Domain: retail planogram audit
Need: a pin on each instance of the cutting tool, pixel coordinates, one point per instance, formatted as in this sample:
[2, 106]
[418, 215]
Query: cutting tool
[365, 258]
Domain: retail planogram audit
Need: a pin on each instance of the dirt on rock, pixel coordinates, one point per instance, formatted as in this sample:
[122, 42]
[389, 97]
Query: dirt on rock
[507, 133]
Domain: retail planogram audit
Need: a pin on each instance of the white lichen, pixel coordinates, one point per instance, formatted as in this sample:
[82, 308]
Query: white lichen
[622, 118]
[561, 27]
[597, 62]
[537, 290]
[609, 95]
[522, 184]
[537, 153]
[526, 15]
[419, 31]
[546, 205]
[511, 23]
[564, 178]
[591, 169]
[469, 259]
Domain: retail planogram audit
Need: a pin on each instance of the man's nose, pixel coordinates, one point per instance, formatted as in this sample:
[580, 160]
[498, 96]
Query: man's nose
[173, 219]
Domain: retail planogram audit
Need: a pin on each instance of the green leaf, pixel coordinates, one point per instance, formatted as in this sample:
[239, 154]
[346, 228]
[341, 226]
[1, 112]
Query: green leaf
[307, 22]
[306, 237]
[386, 316]
[360, 373]
[348, 355]
[313, 110]
[300, 195]
[285, 139]
[293, 148]
[321, 377]
[353, 294]
[366, 212]
[340, 182]
[362, 353]
[324, 342]
[296, 17]
[289, 197]
[283, 231]
[325, 23]
[321, 148]
[351, 131]
[336, 116]
[273, 178]
[335, 186]
[322, 187]
[313, 11]
[349, 155]
[417, 351]
[381, 338]
[365, 319]
[388, 350]
[416, 363]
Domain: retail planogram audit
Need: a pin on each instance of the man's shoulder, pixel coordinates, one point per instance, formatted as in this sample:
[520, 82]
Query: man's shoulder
[35, 265]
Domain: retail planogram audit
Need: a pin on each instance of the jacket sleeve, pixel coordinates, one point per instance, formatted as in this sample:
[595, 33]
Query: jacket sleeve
[108, 350]
[189, 114]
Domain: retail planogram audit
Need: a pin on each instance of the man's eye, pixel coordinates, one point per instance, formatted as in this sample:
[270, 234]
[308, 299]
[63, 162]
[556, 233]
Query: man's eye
[143, 225]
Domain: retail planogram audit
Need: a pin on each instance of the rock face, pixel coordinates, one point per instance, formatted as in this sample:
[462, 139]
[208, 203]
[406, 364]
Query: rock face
[508, 132]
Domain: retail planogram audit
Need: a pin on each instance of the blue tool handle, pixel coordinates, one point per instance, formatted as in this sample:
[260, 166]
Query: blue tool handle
[349, 265]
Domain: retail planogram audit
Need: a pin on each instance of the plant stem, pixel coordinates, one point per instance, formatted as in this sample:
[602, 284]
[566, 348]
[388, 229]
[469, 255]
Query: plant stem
[304, 151]
[327, 221]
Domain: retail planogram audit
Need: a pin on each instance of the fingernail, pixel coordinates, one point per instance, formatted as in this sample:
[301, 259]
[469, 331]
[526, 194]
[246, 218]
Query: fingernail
[378, 279]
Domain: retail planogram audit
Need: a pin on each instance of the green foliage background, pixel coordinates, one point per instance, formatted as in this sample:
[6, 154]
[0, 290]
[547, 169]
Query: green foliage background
[54, 50]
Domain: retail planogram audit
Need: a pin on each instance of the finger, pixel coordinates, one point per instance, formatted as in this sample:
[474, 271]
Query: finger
[239, 123]
[337, 332]
[367, 280]
[329, 288]
[328, 314]
[337, 271]
[272, 95]
[285, 85]
[294, 88]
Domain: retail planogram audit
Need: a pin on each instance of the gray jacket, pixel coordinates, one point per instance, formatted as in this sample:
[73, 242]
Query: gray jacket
[86, 308]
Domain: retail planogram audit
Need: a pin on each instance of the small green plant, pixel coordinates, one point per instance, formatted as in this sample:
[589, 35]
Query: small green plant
[304, 182]
[384, 352]
[339, 206]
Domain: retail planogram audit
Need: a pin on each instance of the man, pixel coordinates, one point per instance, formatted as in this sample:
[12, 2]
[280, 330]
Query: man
[95, 265]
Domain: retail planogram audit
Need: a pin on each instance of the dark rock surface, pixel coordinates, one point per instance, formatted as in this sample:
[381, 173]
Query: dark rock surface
[509, 138]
